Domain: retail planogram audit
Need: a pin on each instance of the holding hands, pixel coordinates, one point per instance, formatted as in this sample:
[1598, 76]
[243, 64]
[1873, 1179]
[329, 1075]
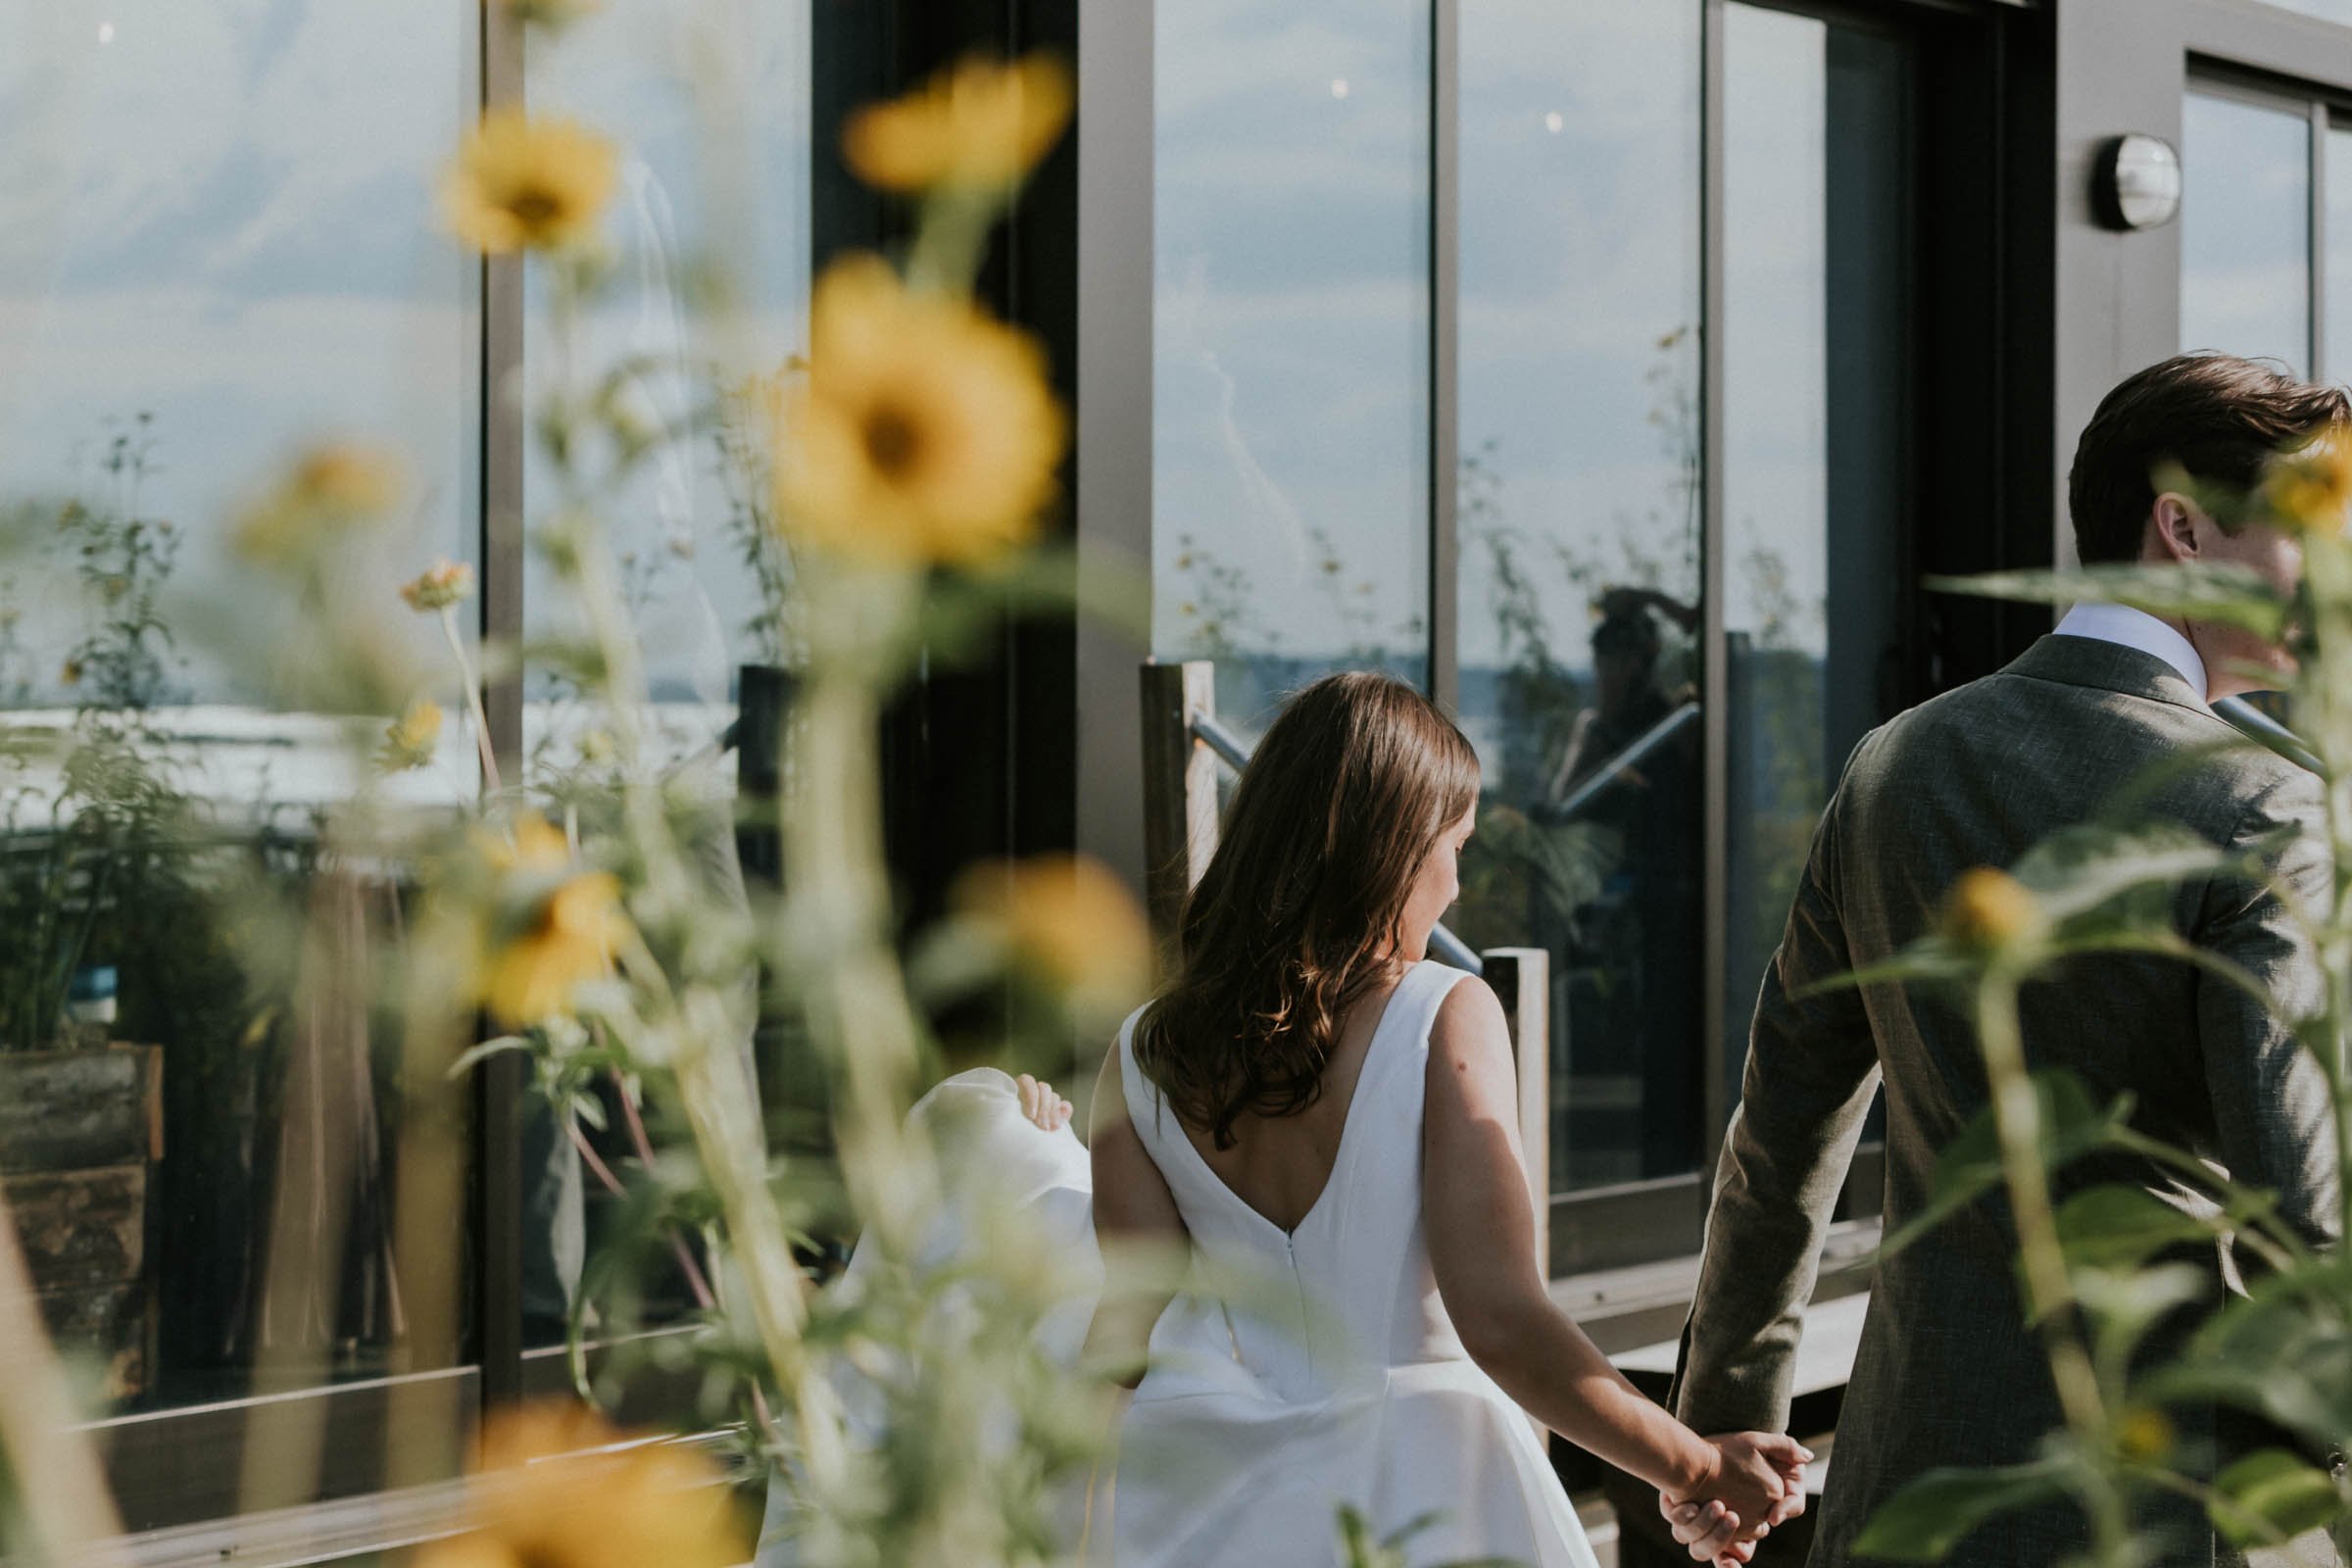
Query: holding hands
[1758, 1482]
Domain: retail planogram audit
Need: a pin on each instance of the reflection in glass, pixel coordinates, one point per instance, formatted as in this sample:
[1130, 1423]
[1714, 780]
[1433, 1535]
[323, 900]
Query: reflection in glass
[217, 247]
[2246, 230]
[714, 183]
[1579, 527]
[2325, 10]
[1291, 341]
[1817, 121]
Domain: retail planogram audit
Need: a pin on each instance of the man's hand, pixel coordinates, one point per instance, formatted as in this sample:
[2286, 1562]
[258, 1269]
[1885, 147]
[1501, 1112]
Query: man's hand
[1760, 1483]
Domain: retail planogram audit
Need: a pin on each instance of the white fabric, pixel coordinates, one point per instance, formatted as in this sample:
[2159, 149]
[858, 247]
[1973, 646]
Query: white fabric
[1316, 1367]
[2136, 628]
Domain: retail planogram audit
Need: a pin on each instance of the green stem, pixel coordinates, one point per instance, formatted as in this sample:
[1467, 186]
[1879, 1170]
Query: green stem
[474, 697]
[2050, 1295]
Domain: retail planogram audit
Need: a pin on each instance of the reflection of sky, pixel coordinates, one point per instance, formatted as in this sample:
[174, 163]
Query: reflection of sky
[1775, 347]
[221, 213]
[1580, 210]
[712, 107]
[2338, 365]
[2246, 230]
[1292, 325]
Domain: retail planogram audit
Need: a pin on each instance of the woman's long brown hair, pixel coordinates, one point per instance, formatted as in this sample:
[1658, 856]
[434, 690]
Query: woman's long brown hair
[1302, 906]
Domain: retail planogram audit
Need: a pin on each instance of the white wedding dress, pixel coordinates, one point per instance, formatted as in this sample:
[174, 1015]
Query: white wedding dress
[1305, 1371]
[1331, 1377]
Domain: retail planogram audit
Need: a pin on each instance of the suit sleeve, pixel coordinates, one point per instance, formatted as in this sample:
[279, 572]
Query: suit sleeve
[1811, 1069]
[2272, 1116]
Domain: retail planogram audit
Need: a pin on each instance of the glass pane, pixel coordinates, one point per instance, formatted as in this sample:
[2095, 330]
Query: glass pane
[1291, 378]
[2246, 230]
[2337, 364]
[2325, 10]
[713, 128]
[1816, 139]
[1579, 525]
[217, 247]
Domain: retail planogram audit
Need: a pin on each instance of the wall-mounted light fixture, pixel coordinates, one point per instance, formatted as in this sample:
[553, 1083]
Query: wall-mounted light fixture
[2136, 182]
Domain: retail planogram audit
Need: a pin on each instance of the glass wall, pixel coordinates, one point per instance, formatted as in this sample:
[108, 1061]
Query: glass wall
[1289, 511]
[217, 253]
[1579, 528]
[1816, 435]
[714, 206]
[2245, 228]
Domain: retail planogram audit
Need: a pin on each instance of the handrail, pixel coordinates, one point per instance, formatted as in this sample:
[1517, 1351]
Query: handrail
[1228, 746]
[1648, 741]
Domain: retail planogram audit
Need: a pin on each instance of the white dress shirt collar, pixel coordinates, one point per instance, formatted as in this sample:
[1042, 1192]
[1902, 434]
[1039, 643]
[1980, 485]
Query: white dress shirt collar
[2136, 628]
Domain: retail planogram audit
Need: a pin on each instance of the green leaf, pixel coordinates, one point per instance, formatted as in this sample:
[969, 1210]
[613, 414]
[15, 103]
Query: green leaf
[2272, 1496]
[2116, 1226]
[1969, 1165]
[1925, 1520]
[2232, 595]
[2079, 869]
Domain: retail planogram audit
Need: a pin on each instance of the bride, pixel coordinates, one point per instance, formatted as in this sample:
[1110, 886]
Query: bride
[1314, 1105]
[1323, 1120]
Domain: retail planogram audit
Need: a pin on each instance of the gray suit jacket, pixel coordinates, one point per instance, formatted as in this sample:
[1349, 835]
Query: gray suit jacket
[1947, 1374]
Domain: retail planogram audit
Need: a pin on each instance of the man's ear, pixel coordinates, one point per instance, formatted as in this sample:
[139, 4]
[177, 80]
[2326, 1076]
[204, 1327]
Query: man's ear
[2172, 529]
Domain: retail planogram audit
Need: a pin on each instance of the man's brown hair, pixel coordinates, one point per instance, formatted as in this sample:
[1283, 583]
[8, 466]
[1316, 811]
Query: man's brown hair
[2219, 417]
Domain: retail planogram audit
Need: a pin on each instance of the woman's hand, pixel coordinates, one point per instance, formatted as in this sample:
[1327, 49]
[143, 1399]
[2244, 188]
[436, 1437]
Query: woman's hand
[1041, 1105]
[1760, 1481]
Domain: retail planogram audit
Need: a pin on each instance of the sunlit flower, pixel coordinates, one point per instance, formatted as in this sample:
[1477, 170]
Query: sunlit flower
[923, 432]
[976, 126]
[559, 1488]
[1989, 910]
[525, 183]
[563, 937]
[71, 672]
[328, 488]
[1068, 921]
[438, 586]
[2310, 491]
[409, 740]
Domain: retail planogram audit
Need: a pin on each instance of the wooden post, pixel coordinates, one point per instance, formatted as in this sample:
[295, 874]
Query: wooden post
[1522, 978]
[1180, 787]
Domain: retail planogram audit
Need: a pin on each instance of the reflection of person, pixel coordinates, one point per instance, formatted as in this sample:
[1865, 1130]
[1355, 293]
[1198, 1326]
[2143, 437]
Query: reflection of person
[1326, 1118]
[1948, 1373]
[1640, 934]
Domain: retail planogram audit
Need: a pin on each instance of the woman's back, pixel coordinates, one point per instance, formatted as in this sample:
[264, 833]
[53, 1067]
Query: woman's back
[1343, 1291]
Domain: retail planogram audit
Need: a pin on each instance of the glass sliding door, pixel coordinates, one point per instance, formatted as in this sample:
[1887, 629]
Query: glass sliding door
[1291, 412]
[1578, 576]
[1816, 431]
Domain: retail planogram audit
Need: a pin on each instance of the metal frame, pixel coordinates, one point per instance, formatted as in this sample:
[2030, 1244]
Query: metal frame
[1445, 283]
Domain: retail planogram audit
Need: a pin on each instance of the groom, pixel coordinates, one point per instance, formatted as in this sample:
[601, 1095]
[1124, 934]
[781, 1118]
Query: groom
[1947, 1373]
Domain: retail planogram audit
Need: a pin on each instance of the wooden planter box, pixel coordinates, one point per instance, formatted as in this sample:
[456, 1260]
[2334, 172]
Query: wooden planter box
[80, 1132]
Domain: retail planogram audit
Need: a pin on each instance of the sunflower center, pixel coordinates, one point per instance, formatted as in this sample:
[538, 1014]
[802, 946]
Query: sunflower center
[893, 441]
[534, 204]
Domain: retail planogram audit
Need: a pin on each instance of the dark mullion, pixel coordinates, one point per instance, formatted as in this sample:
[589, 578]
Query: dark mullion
[1715, 666]
[1445, 657]
[498, 1169]
[2319, 368]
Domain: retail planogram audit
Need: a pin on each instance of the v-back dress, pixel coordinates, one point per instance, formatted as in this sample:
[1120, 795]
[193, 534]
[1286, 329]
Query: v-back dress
[1310, 1369]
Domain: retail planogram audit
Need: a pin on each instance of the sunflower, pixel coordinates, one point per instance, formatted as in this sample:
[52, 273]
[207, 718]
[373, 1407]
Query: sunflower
[559, 1488]
[977, 126]
[564, 923]
[1068, 921]
[327, 489]
[524, 183]
[923, 431]
[409, 740]
[2310, 491]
